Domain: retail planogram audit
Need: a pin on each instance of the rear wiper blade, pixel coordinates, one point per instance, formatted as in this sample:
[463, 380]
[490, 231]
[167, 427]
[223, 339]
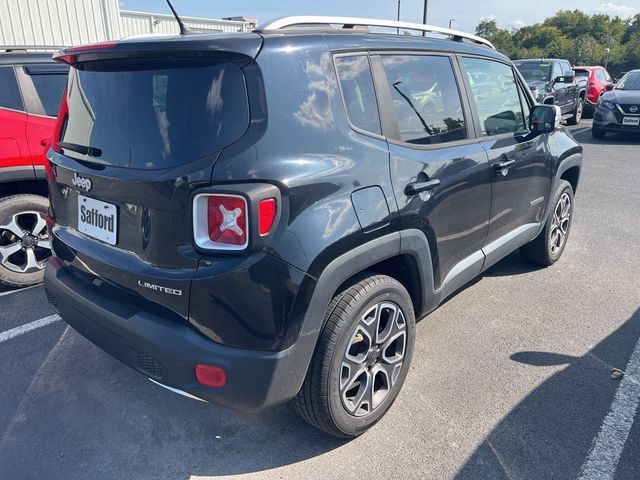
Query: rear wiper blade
[82, 149]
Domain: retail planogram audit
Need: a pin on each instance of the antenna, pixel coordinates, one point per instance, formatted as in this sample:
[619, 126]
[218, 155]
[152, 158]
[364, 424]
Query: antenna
[184, 30]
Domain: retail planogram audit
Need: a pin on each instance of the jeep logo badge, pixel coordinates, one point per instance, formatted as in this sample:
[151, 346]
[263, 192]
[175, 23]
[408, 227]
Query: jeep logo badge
[633, 109]
[81, 182]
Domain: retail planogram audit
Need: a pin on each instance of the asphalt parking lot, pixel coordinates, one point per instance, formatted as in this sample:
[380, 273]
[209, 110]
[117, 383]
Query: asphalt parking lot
[511, 378]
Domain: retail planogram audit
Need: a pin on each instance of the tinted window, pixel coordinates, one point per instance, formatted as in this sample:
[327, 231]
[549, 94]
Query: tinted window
[152, 116]
[9, 93]
[50, 89]
[582, 74]
[425, 99]
[356, 84]
[566, 69]
[534, 71]
[600, 75]
[495, 92]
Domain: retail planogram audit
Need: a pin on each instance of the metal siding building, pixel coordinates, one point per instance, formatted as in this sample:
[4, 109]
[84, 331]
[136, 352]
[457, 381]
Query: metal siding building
[75, 22]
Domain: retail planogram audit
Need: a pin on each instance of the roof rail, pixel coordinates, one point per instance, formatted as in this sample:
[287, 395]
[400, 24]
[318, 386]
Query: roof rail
[31, 47]
[349, 22]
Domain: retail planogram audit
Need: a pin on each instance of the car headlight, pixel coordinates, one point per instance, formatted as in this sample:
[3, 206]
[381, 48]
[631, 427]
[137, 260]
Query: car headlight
[609, 105]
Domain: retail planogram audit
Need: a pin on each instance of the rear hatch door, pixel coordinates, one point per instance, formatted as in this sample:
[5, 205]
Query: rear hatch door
[140, 127]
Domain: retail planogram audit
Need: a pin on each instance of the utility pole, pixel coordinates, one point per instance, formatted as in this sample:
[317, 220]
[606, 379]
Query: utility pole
[424, 15]
[398, 30]
[451, 20]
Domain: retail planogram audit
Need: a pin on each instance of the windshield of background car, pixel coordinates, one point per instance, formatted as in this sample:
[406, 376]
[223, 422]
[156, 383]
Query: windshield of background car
[631, 81]
[153, 116]
[534, 71]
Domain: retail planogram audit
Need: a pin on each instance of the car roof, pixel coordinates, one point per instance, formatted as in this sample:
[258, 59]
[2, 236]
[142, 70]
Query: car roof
[20, 57]
[540, 60]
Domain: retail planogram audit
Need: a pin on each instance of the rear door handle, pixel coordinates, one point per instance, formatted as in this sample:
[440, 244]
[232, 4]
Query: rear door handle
[505, 164]
[415, 188]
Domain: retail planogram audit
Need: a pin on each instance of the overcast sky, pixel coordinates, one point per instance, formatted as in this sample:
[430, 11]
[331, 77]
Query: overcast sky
[467, 13]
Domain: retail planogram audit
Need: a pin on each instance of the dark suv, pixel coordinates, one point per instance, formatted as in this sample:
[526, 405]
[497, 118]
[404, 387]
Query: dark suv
[553, 82]
[259, 217]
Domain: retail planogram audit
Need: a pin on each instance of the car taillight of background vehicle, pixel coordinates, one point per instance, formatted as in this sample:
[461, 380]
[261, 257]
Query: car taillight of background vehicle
[62, 118]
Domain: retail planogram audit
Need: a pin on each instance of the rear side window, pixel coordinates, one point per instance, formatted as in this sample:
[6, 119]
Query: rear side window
[495, 93]
[50, 89]
[600, 75]
[153, 116]
[426, 100]
[9, 93]
[356, 84]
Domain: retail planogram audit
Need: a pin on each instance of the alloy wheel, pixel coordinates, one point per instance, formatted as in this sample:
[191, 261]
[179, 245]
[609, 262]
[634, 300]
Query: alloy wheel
[373, 358]
[560, 224]
[24, 242]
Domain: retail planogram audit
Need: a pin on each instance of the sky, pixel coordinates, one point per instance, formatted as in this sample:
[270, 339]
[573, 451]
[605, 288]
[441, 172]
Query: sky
[467, 13]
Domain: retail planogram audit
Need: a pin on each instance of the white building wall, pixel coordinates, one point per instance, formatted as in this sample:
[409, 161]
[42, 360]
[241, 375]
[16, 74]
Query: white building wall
[136, 23]
[76, 22]
[58, 22]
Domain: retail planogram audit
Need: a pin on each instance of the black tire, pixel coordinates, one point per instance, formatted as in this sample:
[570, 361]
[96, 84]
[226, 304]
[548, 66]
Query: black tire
[320, 400]
[577, 113]
[597, 132]
[21, 205]
[546, 249]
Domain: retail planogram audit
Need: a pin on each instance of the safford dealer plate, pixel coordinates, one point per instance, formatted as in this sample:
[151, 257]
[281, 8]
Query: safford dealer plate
[631, 121]
[98, 219]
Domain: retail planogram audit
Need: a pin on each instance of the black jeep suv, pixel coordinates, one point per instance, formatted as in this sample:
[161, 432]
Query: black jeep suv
[260, 217]
[553, 82]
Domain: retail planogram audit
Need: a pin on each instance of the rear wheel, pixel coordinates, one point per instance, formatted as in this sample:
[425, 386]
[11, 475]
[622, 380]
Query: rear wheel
[546, 249]
[577, 113]
[24, 242]
[362, 358]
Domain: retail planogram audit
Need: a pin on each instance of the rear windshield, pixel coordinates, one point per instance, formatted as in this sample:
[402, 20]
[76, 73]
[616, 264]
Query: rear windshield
[153, 117]
[584, 74]
[534, 71]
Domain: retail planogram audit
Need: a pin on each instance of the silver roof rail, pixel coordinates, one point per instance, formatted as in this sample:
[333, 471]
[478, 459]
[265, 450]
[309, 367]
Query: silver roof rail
[349, 22]
[31, 47]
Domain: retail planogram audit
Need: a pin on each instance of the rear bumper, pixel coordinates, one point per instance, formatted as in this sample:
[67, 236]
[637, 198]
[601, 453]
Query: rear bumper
[167, 351]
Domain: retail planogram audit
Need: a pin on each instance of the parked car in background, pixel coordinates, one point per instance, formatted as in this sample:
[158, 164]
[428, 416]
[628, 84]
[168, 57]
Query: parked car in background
[619, 108]
[31, 86]
[553, 82]
[596, 79]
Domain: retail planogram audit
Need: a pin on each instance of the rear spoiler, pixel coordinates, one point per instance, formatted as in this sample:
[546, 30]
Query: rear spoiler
[238, 47]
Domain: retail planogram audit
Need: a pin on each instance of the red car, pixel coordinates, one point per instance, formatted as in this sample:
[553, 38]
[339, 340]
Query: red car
[597, 79]
[31, 87]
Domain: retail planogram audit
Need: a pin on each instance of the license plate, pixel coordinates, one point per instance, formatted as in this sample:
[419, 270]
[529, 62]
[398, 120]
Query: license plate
[98, 219]
[631, 121]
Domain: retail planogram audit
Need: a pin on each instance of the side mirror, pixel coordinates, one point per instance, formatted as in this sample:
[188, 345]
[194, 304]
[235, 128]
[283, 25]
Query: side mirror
[608, 87]
[558, 80]
[544, 119]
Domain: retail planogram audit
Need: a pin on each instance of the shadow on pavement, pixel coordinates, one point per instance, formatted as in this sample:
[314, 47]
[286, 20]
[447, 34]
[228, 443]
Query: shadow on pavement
[549, 434]
[85, 415]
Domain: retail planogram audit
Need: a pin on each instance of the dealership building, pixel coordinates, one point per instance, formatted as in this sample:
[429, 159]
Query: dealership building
[75, 22]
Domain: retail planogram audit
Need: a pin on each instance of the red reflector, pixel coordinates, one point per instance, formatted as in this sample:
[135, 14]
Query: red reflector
[266, 215]
[227, 217]
[211, 376]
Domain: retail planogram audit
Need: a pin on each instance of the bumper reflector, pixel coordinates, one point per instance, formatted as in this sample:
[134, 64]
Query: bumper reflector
[211, 376]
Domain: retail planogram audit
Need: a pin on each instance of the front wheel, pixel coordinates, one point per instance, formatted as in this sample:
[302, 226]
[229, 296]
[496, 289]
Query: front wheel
[546, 249]
[577, 113]
[362, 358]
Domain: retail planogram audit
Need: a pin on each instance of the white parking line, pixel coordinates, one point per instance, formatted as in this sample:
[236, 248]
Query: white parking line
[18, 290]
[608, 446]
[14, 332]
